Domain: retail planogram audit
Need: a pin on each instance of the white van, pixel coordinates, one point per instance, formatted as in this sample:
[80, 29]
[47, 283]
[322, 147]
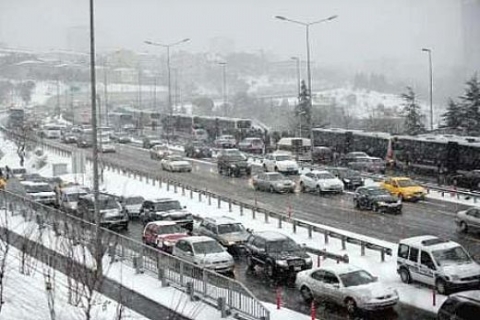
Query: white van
[444, 264]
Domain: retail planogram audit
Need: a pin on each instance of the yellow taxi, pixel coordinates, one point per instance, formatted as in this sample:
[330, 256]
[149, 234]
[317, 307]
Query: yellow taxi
[404, 188]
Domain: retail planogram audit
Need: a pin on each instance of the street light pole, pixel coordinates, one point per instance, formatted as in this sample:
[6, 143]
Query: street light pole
[224, 72]
[429, 51]
[98, 254]
[168, 46]
[309, 73]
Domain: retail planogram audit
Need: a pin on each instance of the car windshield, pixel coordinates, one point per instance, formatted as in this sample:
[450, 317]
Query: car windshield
[226, 138]
[206, 247]
[134, 200]
[275, 177]
[282, 245]
[378, 192]
[38, 188]
[456, 255]
[230, 228]
[405, 183]
[356, 278]
[106, 204]
[170, 229]
[168, 205]
[285, 157]
[324, 176]
[350, 173]
[75, 196]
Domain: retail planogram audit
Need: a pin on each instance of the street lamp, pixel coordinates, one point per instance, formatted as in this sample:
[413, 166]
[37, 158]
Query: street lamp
[309, 74]
[429, 51]
[224, 67]
[168, 46]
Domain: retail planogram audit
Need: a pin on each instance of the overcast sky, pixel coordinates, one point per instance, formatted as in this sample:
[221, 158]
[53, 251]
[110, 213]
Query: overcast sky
[366, 31]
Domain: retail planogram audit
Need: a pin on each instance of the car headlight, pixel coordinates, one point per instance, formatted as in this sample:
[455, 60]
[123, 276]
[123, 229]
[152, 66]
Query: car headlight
[197, 150]
[308, 260]
[346, 180]
[278, 184]
[233, 166]
[399, 201]
[282, 263]
[381, 203]
[167, 243]
[454, 277]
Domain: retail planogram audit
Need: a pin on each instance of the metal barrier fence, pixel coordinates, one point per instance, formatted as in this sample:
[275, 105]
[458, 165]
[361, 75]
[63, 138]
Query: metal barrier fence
[228, 295]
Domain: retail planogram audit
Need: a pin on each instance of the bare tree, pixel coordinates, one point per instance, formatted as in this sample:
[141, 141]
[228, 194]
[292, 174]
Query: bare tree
[4, 246]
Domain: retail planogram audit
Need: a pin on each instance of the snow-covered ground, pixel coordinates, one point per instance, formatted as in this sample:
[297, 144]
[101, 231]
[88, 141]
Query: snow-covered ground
[25, 296]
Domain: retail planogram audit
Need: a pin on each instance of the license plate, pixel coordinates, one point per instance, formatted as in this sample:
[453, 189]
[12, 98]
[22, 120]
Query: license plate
[297, 268]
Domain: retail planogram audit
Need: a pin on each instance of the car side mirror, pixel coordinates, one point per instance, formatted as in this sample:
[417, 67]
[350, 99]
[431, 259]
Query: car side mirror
[184, 207]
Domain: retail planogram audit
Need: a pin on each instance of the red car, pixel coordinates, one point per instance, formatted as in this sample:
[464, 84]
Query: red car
[163, 234]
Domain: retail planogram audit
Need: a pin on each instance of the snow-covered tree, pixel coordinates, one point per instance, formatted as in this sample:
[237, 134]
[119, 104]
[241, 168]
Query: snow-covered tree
[470, 106]
[453, 117]
[413, 117]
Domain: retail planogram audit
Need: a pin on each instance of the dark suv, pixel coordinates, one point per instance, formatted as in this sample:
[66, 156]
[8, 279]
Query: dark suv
[166, 209]
[276, 253]
[461, 306]
[351, 178]
[232, 162]
[197, 149]
[112, 213]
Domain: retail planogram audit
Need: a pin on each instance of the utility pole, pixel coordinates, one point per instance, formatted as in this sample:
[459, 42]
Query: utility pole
[429, 51]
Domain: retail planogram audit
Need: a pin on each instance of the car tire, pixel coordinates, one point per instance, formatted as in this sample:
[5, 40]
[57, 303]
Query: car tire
[306, 294]
[270, 270]
[302, 187]
[318, 190]
[351, 305]
[271, 189]
[375, 207]
[265, 168]
[441, 286]
[463, 228]
[255, 187]
[400, 196]
[276, 169]
[405, 275]
[357, 204]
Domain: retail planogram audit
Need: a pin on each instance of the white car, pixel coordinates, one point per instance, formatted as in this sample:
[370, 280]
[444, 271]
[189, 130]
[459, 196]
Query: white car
[204, 252]
[176, 164]
[320, 181]
[280, 162]
[346, 285]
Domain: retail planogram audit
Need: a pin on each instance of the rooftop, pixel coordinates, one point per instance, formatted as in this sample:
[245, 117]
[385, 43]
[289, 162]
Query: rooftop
[271, 235]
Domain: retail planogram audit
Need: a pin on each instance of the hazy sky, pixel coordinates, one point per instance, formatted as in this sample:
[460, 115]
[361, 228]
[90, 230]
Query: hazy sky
[366, 31]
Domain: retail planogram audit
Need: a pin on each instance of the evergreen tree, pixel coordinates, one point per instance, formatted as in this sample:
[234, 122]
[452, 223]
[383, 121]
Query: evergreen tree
[303, 111]
[453, 117]
[413, 118]
[470, 106]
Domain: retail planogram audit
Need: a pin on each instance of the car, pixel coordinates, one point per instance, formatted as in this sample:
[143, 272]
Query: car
[280, 162]
[377, 199]
[351, 178]
[159, 152]
[346, 285]
[69, 136]
[460, 306]
[225, 141]
[174, 163]
[278, 254]
[150, 141]
[251, 145]
[436, 262]
[163, 235]
[468, 220]
[469, 180]
[232, 162]
[131, 205]
[227, 231]
[121, 137]
[204, 252]
[39, 191]
[351, 156]
[273, 182]
[404, 188]
[166, 209]
[197, 149]
[112, 215]
[320, 181]
[67, 197]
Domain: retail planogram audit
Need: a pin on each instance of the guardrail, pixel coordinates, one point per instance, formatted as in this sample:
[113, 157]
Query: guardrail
[228, 295]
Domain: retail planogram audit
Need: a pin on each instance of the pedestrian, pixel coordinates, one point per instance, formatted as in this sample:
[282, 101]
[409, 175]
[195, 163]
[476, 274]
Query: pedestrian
[7, 172]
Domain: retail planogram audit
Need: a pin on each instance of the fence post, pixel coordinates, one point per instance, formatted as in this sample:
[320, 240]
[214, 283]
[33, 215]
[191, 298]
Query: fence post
[229, 205]
[362, 248]
[219, 202]
[160, 183]
[191, 194]
[204, 282]
[325, 235]
[266, 216]
[280, 222]
[382, 255]
[253, 213]
[190, 290]
[183, 190]
[310, 231]
[294, 226]
[209, 199]
[344, 244]
[241, 209]
[175, 188]
[199, 196]
[222, 307]
[168, 185]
